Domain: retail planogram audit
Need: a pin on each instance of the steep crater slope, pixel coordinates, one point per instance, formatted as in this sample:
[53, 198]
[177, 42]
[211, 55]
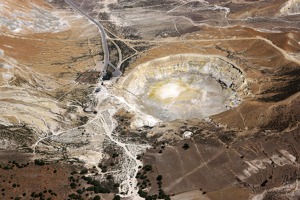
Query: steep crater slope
[184, 86]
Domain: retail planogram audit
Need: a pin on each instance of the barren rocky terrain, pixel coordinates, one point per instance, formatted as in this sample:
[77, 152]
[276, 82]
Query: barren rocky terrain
[171, 99]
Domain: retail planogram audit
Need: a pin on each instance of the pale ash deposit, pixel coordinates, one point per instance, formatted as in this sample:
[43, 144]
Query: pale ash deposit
[184, 86]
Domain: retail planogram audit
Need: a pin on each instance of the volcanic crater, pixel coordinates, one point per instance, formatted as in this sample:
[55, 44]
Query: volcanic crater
[184, 86]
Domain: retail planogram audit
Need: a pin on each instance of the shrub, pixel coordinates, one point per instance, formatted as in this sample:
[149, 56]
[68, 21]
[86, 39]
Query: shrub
[73, 172]
[39, 162]
[90, 188]
[95, 183]
[116, 185]
[87, 179]
[79, 191]
[186, 146]
[7, 167]
[147, 167]
[73, 185]
[143, 176]
[84, 171]
[97, 197]
[107, 75]
[73, 196]
[117, 197]
[159, 178]
[115, 155]
[100, 189]
[109, 177]
[142, 193]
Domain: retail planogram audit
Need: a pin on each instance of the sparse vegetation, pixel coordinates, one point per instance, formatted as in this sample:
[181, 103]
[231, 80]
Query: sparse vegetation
[108, 75]
[186, 146]
[97, 197]
[147, 168]
[115, 155]
[117, 197]
[39, 162]
[84, 171]
[159, 178]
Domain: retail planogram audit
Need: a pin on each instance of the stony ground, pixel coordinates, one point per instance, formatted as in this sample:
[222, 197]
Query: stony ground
[65, 136]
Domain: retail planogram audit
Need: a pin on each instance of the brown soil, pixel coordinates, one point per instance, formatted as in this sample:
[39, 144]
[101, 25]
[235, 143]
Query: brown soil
[51, 180]
[234, 168]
